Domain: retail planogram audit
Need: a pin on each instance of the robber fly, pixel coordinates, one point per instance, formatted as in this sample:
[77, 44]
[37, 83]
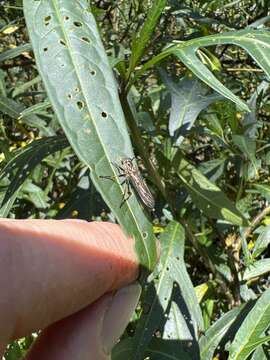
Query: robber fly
[131, 175]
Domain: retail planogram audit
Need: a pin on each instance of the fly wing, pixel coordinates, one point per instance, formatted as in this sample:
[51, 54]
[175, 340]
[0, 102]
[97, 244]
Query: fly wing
[142, 190]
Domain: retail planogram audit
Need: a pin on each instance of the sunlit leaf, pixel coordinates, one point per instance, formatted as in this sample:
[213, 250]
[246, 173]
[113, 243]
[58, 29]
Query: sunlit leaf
[69, 52]
[206, 195]
[12, 53]
[262, 242]
[19, 168]
[141, 39]
[170, 276]
[255, 42]
[251, 332]
[258, 268]
[188, 98]
[215, 334]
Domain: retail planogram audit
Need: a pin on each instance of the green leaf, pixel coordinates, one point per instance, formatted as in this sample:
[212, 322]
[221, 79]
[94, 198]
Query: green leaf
[207, 196]
[12, 53]
[160, 349]
[248, 148]
[262, 242]
[251, 331]
[188, 56]
[6, 206]
[80, 85]
[258, 268]
[176, 327]
[171, 270]
[123, 350]
[188, 99]
[18, 90]
[19, 168]
[259, 354]
[263, 189]
[250, 121]
[36, 109]
[141, 39]
[14, 109]
[255, 42]
[34, 194]
[213, 336]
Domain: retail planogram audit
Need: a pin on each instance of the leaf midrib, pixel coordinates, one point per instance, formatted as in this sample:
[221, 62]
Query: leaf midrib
[58, 15]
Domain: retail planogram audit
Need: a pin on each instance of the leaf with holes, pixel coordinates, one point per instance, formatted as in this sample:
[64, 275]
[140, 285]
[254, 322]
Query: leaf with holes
[170, 273]
[80, 85]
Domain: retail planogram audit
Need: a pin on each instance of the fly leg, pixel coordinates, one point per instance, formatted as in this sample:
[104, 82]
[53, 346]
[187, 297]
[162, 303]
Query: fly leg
[120, 170]
[113, 178]
[127, 193]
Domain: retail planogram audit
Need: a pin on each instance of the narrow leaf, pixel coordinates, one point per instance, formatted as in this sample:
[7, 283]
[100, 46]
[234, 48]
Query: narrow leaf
[19, 168]
[14, 109]
[248, 148]
[255, 42]
[141, 39]
[189, 58]
[36, 109]
[160, 349]
[207, 196]
[258, 268]
[251, 331]
[171, 271]
[262, 242]
[210, 341]
[12, 53]
[69, 52]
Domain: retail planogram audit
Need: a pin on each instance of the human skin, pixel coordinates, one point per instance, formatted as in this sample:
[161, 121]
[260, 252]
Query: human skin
[62, 277]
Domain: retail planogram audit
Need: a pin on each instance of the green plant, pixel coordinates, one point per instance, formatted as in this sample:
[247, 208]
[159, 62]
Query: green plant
[192, 104]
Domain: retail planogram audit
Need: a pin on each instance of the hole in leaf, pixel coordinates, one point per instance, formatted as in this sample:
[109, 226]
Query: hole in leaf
[47, 20]
[86, 39]
[77, 89]
[77, 23]
[45, 49]
[104, 114]
[66, 18]
[80, 105]
[144, 234]
[62, 42]
[92, 72]
[69, 96]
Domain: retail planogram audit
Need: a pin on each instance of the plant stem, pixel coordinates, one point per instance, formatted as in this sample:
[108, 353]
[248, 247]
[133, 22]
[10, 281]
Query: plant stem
[158, 181]
[138, 142]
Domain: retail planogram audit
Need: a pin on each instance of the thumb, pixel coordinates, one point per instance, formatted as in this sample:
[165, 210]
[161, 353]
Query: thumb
[90, 333]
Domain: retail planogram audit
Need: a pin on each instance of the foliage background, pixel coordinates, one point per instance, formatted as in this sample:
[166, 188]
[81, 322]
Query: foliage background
[204, 156]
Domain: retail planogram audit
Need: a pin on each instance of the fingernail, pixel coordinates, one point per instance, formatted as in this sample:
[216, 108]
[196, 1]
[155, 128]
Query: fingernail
[117, 316]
